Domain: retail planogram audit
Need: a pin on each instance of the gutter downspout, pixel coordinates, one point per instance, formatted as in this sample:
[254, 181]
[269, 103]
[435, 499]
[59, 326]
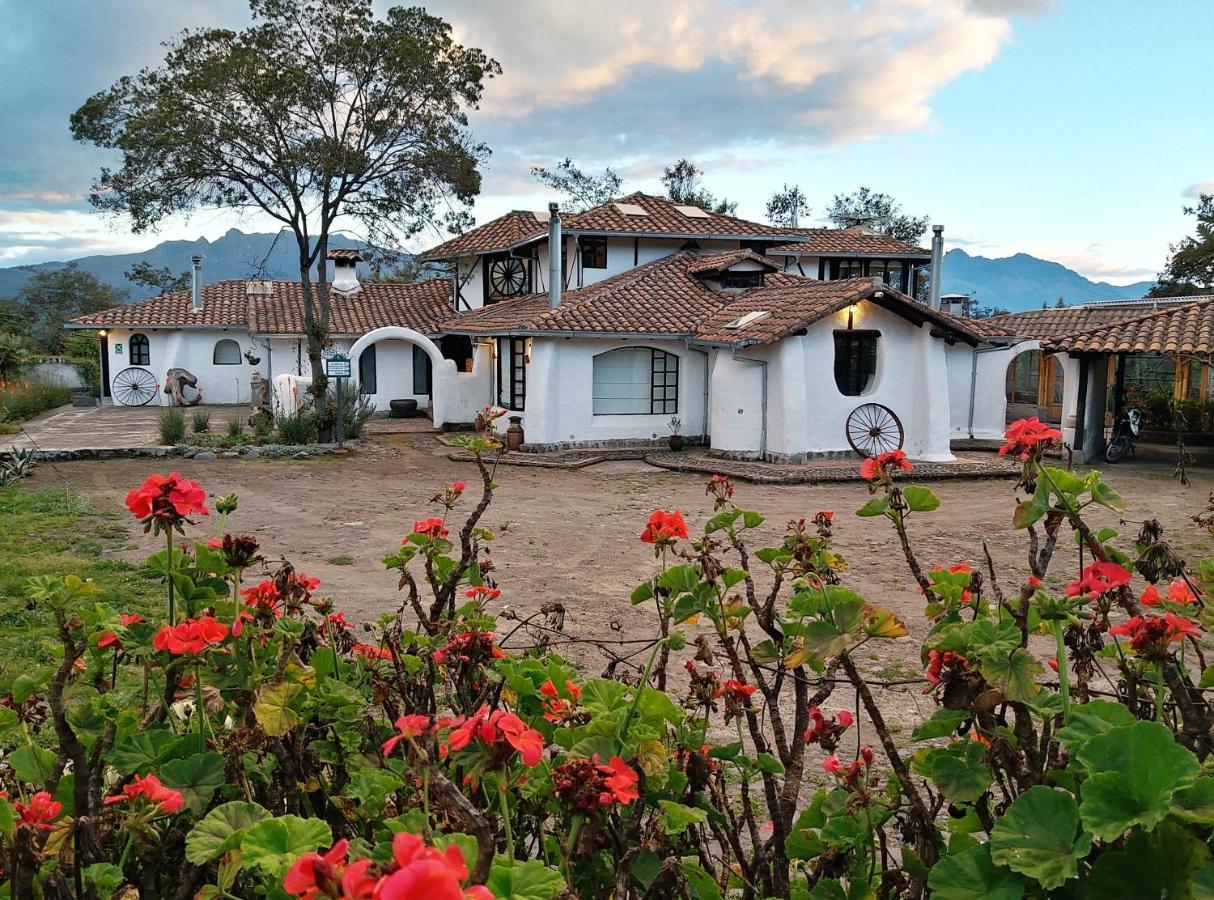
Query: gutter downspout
[974, 382]
[763, 428]
[937, 265]
[555, 270]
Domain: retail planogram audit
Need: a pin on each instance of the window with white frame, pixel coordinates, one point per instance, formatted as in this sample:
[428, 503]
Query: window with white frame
[226, 353]
[635, 381]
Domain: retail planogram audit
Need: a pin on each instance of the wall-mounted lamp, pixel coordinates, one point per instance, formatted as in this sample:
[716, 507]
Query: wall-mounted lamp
[851, 315]
[102, 333]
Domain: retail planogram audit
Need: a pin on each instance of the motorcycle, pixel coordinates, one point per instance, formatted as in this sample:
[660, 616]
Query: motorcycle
[1125, 428]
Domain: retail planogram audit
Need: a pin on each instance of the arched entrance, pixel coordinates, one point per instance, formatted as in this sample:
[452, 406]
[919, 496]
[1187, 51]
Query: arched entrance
[440, 371]
[1033, 387]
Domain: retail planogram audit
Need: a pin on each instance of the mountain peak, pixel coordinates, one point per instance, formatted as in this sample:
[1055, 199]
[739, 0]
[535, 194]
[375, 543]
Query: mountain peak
[1023, 281]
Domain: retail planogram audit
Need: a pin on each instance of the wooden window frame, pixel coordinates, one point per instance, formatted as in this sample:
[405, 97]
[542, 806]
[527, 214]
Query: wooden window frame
[846, 373]
[593, 252]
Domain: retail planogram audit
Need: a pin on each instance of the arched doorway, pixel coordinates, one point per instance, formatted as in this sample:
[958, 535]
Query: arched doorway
[1033, 387]
[427, 371]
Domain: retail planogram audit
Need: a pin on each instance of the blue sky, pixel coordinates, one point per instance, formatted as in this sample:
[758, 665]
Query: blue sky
[1069, 129]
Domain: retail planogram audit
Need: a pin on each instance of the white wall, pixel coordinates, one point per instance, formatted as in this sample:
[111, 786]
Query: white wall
[986, 369]
[560, 388]
[736, 404]
[806, 412]
[192, 350]
[808, 266]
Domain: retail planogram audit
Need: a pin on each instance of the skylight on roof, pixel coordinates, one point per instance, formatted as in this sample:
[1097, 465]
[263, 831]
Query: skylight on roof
[259, 289]
[693, 212]
[630, 209]
[749, 319]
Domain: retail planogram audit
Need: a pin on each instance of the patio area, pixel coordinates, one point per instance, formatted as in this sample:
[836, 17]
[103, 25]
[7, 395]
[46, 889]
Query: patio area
[105, 430]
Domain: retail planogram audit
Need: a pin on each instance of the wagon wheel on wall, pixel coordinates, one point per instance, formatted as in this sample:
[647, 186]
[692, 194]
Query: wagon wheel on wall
[873, 429]
[134, 386]
[508, 277]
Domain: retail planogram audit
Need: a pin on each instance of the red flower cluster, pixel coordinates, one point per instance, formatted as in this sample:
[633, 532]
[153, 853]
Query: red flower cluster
[165, 501]
[264, 597]
[942, 663]
[408, 727]
[469, 647]
[433, 528]
[415, 871]
[684, 759]
[191, 636]
[338, 620]
[556, 707]
[1151, 635]
[110, 637]
[587, 784]
[826, 731]
[239, 551]
[737, 697]
[664, 528]
[150, 788]
[852, 774]
[720, 488]
[1179, 593]
[1026, 436]
[876, 467]
[482, 594]
[492, 728]
[1099, 578]
[370, 651]
[39, 813]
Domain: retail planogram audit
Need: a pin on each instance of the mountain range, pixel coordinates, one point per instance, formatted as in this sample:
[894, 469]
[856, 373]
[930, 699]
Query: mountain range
[1014, 283]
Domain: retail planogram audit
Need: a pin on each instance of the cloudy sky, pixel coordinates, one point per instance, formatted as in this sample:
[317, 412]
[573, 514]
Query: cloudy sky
[1074, 130]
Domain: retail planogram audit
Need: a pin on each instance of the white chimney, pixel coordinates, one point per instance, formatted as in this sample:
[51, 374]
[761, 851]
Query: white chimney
[345, 271]
[196, 283]
[937, 265]
[555, 269]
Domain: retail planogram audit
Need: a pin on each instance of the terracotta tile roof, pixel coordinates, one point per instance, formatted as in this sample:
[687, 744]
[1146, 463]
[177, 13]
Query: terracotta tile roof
[719, 262]
[1178, 329]
[664, 298]
[502, 233]
[1045, 324]
[419, 305]
[854, 240]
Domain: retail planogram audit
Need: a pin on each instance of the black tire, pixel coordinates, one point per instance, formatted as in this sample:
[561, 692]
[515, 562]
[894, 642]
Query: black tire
[1117, 448]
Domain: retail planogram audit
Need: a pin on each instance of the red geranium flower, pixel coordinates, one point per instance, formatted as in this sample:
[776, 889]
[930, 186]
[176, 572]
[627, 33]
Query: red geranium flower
[880, 466]
[664, 528]
[426, 873]
[368, 651]
[407, 727]
[556, 707]
[109, 637]
[826, 731]
[491, 729]
[432, 528]
[482, 594]
[1024, 436]
[1099, 578]
[314, 876]
[1179, 592]
[166, 501]
[41, 811]
[586, 784]
[264, 596]
[191, 636]
[150, 788]
[1151, 635]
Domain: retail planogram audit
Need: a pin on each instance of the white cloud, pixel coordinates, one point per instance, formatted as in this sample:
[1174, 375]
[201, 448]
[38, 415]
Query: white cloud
[1094, 262]
[1194, 191]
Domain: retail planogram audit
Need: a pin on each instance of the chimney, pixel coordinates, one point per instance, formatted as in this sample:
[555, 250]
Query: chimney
[196, 284]
[345, 271]
[937, 265]
[555, 268]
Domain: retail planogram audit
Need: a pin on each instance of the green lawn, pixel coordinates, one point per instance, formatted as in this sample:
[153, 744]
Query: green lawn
[57, 532]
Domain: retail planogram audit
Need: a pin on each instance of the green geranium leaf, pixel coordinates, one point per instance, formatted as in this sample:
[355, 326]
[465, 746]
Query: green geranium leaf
[221, 829]
[874, 507]
[957, 770]
[972, 876]
[1014, 674]
[273, 708]
[700, 885]
[1136, 769]
[196, 777]
[272, 845]
[1106, 496]
[679, 579]
[676, 817]
[1091, 719]
[942, 723]
[1040, 836]
[834, 889]
[1196, 803]
[919, 498]
[32, 764]
[106, 878]
[1160, 864]
[530, 880]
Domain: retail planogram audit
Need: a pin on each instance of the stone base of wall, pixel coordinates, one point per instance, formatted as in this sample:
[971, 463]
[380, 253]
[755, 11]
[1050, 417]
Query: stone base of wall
[785, 458]
[606, 445]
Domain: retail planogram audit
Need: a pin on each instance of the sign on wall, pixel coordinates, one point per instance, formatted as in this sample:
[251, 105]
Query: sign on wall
[338, 366]
[118, 349]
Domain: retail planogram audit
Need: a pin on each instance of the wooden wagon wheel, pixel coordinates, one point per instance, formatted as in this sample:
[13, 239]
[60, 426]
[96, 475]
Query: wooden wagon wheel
[508, 277]
[134, 386]
[873, 429]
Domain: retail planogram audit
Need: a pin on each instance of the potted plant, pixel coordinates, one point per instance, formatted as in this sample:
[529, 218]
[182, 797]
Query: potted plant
[676, 438]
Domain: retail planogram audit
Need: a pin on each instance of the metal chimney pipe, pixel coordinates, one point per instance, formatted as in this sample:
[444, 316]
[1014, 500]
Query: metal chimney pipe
[937, 265]
[196, 283]
[555, 268]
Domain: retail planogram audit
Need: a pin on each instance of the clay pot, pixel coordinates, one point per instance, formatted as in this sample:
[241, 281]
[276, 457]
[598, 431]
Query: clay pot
[514, 434]
[676, 442]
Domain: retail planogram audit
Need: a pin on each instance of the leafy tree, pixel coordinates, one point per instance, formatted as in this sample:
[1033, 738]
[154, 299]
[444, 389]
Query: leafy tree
[52, 296]
[877, 211]
[160, 278]
[1190, 270]
[14, 318]
[318, 110]
[787, 207]
[684, 184]
[584, 190]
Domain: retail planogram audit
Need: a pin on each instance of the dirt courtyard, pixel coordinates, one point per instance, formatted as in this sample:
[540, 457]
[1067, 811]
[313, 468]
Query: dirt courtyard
[572, 536]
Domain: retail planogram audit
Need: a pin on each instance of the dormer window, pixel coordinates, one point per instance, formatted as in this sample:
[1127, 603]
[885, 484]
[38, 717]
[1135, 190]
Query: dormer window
[741, 279]
[594, 253]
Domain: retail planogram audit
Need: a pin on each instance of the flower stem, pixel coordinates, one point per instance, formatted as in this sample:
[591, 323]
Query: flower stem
[1064, 679]
[172, 601]
[199, 711]
[636, 701]
[504, 797]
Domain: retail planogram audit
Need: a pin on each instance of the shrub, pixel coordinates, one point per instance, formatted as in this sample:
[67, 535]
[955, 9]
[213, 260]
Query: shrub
[21, 400]
[201, 421]
[170, 423]
[80, 348]
[235, 428]
[270, 749]
[298, 427]
[356, 408]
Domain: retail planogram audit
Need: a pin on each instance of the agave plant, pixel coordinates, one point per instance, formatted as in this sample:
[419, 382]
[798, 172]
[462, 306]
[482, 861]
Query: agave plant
[15, 465]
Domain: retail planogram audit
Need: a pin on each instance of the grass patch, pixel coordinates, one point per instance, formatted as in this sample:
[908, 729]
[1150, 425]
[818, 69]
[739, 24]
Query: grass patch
[340, 560]
[55, 532]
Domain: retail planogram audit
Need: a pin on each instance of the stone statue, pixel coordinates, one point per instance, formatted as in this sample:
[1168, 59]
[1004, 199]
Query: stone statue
[175, 383]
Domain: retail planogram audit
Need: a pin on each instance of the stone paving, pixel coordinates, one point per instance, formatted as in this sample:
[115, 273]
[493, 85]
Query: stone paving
[105, 430]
